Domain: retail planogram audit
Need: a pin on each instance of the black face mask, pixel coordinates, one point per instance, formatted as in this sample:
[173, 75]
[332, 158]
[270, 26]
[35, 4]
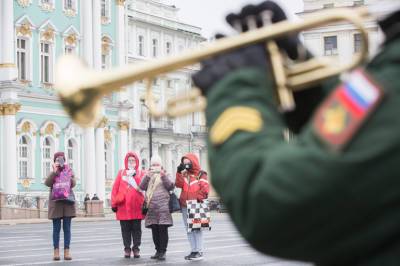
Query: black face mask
[188, 166]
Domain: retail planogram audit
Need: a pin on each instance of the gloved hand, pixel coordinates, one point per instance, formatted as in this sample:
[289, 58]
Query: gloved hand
[180, 168]
[214, 69]
[249, 18]
[114, 209]
[258, 16]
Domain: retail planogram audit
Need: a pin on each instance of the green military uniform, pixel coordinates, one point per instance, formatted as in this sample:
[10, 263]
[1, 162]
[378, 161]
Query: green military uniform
[319, 199]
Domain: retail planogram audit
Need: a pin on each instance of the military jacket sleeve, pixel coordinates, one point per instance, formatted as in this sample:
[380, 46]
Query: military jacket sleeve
[302, 200]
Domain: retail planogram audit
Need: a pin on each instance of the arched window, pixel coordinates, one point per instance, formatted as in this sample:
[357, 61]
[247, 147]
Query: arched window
[141, 45]
[47, 152]
[23, 157]
[70, 153]
[105, 11]
[155, 47]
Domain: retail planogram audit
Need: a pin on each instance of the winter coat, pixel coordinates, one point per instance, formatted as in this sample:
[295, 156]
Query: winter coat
[126, 198]
[59, 209]
[158, 212]
[194, 183]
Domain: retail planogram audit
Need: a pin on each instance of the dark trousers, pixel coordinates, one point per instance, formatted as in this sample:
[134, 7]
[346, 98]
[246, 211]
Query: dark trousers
[160, 237]
[131, 229]
[66, 229]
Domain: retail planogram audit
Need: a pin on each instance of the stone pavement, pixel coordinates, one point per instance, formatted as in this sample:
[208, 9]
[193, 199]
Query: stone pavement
[99, 242]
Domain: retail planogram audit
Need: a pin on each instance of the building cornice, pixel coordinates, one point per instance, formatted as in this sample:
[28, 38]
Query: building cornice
[175, 25]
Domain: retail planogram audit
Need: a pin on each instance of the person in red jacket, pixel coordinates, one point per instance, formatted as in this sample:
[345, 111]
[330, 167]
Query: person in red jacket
[127, 200]
[194, 184]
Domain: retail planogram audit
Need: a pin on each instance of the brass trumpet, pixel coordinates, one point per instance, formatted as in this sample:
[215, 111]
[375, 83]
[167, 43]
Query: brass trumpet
[81, 89]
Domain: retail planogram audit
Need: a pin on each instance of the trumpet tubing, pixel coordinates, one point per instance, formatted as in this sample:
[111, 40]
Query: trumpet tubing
[81, 89]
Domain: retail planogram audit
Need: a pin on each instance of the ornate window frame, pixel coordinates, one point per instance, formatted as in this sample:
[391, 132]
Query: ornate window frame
[24, 3]
[47, 5]
[48, 34]
[70, 11]
[28, 129]
[50, 130]
[74, 133]
[107, 46]
[23, 31]
[105, 9]
[71, 39]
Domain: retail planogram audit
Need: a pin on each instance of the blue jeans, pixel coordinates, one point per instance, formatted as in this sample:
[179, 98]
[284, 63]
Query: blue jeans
[195, 237]
[66, 229]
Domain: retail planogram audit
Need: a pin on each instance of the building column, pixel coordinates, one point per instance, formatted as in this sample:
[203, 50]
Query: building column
[89, 161]
[120, 42]
[88, 135]
[168, 161]
[2, 150]
[8, 97]
[100, 159]
[96, 34]
[123, 127]
[10, 147]
[8, 68]
[87, 31]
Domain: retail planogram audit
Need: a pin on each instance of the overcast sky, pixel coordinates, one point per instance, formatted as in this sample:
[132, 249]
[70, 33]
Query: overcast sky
[210, 14]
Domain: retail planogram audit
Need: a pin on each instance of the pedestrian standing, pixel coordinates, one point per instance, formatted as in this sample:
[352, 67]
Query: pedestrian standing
[61, 210]
[157, 185]
[194, 184]
[127, 200]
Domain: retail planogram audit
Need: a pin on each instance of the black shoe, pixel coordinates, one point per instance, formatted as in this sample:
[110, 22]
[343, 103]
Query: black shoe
[189, 256]
[196, 256]
[155, 256]
[161, 256]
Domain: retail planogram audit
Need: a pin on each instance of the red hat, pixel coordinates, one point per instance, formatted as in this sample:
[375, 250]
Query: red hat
[58, 154]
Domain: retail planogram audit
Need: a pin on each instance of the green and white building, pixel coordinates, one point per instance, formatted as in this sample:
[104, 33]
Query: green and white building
[105, 33]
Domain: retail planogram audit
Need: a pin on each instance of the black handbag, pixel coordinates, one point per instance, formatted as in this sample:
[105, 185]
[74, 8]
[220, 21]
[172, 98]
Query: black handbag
[174, 205]
[145, 209]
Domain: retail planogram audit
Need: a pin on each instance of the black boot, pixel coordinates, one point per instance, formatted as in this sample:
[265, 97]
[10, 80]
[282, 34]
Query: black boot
[161, 256]
[127, 253]
[155, 256]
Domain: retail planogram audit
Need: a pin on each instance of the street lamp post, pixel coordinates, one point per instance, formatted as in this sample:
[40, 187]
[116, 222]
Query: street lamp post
[150, 129]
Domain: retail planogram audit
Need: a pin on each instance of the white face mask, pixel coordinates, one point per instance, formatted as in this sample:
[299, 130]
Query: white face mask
[131, 167]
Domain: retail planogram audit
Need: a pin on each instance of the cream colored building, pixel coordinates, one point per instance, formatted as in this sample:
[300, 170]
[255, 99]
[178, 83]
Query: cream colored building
[154, 31]
[340, 39]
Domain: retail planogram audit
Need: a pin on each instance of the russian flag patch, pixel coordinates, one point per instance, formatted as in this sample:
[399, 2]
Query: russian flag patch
[342, 114]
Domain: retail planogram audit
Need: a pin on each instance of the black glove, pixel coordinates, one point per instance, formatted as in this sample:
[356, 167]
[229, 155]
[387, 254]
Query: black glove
[261, 15]
[114, 209]
[216, 68]
[180, 168]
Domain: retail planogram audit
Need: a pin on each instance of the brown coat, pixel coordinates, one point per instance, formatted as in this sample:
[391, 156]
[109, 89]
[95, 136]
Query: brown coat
[59, 209]
[159, 204]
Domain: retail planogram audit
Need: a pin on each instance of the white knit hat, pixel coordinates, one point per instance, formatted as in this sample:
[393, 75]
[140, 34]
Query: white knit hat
[155, 159]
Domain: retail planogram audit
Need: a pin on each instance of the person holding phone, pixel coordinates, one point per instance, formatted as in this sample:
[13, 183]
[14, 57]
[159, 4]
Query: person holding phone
[61, 210]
